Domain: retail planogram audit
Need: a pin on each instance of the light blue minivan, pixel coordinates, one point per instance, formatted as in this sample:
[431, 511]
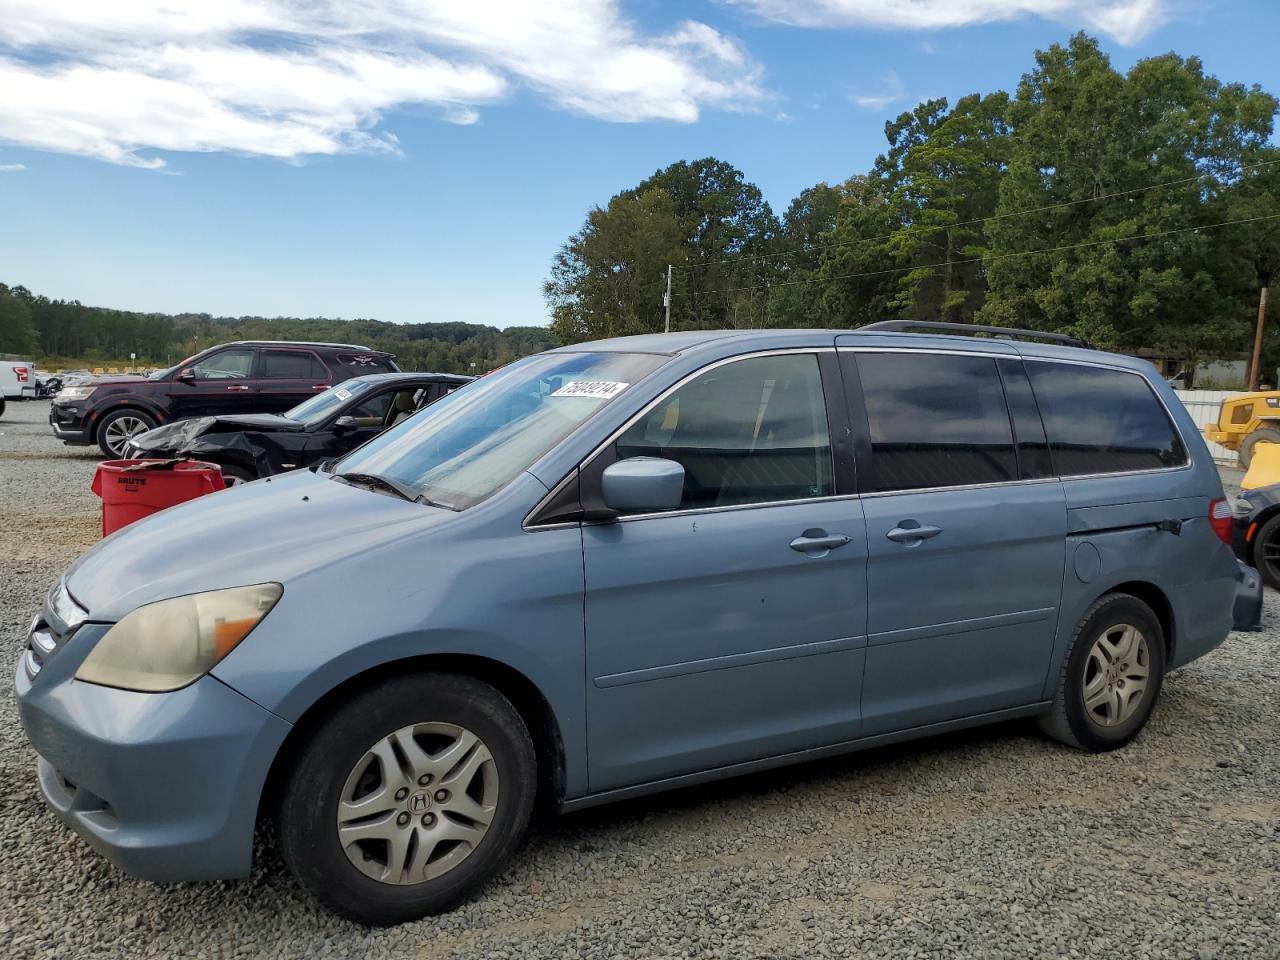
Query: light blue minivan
[622, 567]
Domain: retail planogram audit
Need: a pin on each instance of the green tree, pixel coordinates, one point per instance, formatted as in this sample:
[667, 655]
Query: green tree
[608, 278]
[942, 176]
[795, 295]
[702, 217]
[17, 332]
[1147, 268]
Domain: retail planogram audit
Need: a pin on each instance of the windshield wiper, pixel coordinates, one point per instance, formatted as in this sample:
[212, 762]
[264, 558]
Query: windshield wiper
[402, 490]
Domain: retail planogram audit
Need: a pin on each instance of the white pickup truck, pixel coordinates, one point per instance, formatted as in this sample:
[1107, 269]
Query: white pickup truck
[17, 378]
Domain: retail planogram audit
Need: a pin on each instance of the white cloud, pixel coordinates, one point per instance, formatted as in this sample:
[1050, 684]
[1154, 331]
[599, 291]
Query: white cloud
[12, 167]
[292, 78]
[1128, 21]
[889, 91]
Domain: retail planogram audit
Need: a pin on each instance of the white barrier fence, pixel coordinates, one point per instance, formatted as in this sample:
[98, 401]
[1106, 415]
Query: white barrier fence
[1203, 407]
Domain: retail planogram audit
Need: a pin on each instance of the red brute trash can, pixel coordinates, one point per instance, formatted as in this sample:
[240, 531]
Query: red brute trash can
[133, 489]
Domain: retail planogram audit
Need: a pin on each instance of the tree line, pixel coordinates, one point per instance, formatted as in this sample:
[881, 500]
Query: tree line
[74, 333]
[1139, 210]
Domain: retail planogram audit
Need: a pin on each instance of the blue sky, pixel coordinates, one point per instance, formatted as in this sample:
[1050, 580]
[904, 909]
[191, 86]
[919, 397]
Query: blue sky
[403, 160]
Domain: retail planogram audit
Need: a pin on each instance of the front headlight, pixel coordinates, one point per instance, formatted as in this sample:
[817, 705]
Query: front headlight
[168, 644]
[75, 393]
[65, 608]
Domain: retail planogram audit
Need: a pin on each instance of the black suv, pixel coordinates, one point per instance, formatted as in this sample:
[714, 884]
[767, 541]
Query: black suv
[249, 376]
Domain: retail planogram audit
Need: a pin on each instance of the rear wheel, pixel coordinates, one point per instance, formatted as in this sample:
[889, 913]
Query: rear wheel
[1261, 435]
[408, 797]
[119, 427]
[1111, 679]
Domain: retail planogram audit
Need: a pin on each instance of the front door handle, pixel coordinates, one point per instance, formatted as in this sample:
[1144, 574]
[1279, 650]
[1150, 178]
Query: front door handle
[818, 541]
[237, 387]
[910, 532]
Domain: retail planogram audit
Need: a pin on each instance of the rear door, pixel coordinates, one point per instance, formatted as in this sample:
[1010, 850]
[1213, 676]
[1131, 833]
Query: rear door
[284, 377]
[966, 532]
[733, 628]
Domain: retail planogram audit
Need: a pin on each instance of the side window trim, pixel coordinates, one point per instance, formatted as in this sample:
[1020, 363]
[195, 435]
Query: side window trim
[585, 477]
[1015, 380]
[859, 425]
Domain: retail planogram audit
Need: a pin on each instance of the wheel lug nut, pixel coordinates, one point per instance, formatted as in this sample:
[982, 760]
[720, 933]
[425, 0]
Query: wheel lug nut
[402, 820]
[442, 796]
[402, 793]
[424, 779]
[428, 819]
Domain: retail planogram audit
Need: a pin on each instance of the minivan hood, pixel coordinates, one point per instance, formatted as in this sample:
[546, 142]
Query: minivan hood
[271, 530]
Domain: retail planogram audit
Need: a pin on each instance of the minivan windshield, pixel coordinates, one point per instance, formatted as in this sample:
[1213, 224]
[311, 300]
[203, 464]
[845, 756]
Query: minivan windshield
[474, 441]
[314, 409]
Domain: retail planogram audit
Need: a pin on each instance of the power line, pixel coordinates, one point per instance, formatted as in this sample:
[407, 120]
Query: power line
[1002, 256]
[966, 223]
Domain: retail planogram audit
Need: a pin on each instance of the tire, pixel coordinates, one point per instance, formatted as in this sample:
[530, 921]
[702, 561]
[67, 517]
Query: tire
[234, 475]
[1267, 542]
[1261, 435]
[358, 879]
[118, 426]
[1069, 720]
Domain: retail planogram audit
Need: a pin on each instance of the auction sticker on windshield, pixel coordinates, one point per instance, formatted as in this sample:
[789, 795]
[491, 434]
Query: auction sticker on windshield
[343, 393]
[597, 389]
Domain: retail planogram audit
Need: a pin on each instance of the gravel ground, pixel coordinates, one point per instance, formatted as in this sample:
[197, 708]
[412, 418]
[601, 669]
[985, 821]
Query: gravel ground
[991, 843]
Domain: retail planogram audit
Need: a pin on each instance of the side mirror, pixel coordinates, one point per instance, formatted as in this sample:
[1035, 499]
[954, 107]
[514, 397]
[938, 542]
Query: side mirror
[345, 423]
[186, 375]
[642, 485]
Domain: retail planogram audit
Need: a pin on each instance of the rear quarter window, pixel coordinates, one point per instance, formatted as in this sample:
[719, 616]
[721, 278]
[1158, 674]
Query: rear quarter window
[1103, 421]
[360, 364]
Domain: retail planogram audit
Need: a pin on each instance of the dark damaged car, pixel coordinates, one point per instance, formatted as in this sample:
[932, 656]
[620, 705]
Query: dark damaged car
[331, 424]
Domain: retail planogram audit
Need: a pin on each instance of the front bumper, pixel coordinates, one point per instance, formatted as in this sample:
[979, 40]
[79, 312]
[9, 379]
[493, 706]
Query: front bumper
[70, 425]
[165, 786]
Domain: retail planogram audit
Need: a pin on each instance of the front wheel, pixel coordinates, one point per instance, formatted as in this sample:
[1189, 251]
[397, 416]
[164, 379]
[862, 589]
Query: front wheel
[119, 427]
[408, 797]
[1266, 552]
[1112, 676]
[234, 475]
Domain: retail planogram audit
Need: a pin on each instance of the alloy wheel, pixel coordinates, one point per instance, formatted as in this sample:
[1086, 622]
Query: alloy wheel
[418, 803]
[1116, 674]
[1269, 557]
[123, 429]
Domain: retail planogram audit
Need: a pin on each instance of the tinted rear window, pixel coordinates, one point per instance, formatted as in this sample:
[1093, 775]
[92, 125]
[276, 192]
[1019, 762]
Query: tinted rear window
[1102, 421]
[935, 420]
[290, 365]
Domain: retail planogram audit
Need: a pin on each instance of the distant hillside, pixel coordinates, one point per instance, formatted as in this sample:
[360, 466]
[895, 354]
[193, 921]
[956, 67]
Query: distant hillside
[30, 323]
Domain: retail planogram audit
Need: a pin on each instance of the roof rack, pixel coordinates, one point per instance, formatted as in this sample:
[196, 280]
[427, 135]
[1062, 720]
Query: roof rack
[969, 329]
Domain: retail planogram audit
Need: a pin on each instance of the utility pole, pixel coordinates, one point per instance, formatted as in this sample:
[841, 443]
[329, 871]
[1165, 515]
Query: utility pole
[1256, 361]
[666, 302]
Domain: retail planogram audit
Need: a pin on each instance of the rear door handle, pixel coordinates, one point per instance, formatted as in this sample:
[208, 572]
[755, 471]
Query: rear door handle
[814, 541]
[909, 535]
